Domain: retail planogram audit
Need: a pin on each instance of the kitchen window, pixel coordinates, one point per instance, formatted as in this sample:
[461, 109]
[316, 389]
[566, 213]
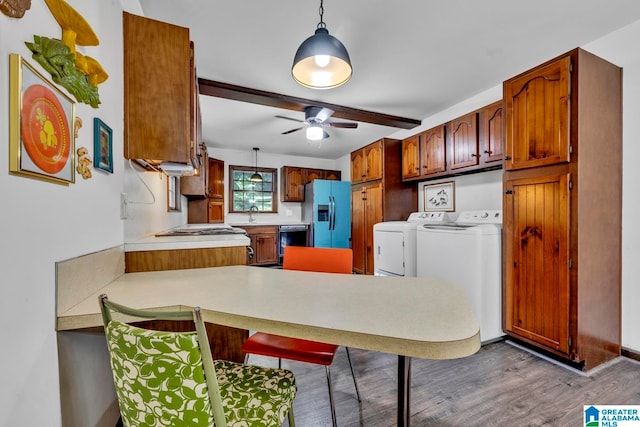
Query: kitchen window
[244, 193]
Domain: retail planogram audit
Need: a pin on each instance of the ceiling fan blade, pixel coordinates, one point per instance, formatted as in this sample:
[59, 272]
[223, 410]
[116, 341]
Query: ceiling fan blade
[323, 114]
[345, 125]
[292, 130]
[289, 118]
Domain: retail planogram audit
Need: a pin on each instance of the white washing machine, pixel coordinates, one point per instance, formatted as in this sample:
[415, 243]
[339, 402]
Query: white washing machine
[468, 253]
[394, 243]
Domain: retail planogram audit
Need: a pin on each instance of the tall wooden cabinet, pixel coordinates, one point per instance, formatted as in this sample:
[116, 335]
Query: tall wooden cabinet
[377, 194]
[209, 206]
[562, 208]
[160, 118]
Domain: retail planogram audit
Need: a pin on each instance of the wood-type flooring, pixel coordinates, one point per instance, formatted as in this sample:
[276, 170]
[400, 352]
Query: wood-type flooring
[501, 385]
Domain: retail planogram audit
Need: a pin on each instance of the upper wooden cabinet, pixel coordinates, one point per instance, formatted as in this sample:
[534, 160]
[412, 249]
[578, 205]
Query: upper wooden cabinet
[463, 141]
[537, 116]
[293, 179]
[312, 174]
[159, 106]
[208, 208]
[491, 131]
[216, 179]
[423, 155]
[366, 163]
[197, 185]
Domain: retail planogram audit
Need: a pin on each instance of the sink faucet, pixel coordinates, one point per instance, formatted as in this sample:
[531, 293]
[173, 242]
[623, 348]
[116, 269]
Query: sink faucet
[252, 209]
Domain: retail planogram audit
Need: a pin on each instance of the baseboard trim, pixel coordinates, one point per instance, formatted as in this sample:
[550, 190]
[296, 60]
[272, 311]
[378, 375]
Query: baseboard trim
[631, 354]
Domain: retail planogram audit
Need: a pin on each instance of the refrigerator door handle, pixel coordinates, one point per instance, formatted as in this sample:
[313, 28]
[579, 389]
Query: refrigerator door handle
[333, 212]
[331, 207]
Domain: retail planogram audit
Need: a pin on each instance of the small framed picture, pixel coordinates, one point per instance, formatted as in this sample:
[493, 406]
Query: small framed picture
[439, 197]
[102, 146]
[41, 141]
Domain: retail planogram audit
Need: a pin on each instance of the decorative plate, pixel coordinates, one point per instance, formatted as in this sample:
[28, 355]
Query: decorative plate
[45, 129]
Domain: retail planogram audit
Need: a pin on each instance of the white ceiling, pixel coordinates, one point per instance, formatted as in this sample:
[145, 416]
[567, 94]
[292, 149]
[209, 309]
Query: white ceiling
[411, 58]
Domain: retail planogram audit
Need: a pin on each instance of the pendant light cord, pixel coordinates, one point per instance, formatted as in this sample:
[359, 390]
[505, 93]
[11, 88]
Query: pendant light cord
[321, 24]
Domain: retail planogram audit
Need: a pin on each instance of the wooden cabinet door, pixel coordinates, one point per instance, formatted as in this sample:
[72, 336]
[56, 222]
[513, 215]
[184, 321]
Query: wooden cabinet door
[411, 157]
[292, 184]
[358, 166]
[216, 210]
[311, 174]
[537, 116]
[333, 175]
[372, 214]
[536, 257]
[264, 242]
[492, 132]
[157, 114]
[266, 250]
[357, 229]
[197, 185]
[463, 137]
[216, 178]
[373, 161]
[432, 153]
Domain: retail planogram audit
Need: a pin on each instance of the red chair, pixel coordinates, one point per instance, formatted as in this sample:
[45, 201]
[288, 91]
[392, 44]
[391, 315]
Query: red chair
[328, 260]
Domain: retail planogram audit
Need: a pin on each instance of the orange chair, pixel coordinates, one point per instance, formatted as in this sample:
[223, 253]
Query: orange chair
[327, 260]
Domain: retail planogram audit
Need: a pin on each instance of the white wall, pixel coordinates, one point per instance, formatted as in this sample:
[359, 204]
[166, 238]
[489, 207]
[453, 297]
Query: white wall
[42, 223]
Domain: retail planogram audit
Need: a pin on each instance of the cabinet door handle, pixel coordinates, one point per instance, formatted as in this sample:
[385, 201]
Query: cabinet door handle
[475, 155]
[507, 158]
[488, 152]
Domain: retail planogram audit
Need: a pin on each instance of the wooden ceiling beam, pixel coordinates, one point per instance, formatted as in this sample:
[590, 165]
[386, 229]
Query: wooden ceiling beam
[271, 99]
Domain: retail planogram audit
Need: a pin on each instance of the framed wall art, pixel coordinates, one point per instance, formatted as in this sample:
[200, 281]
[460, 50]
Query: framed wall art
[41, 141]
[439, 197]
[102, 146]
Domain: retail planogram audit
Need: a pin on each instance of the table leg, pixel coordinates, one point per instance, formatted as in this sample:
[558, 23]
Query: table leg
[404, 384]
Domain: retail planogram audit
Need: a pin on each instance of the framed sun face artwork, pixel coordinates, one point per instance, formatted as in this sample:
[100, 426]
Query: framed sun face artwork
[41, 141]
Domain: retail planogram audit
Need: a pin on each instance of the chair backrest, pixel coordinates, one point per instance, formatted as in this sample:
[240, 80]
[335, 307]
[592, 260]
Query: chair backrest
[162, 378]
[327, 260]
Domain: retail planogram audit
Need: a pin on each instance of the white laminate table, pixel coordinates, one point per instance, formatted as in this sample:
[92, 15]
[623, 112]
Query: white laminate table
[410, 317]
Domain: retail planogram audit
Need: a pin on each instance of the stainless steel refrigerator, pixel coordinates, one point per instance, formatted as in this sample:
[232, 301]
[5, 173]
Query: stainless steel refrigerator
[327, 209]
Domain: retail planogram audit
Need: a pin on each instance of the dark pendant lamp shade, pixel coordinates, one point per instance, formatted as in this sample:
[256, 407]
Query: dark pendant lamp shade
[322, 61]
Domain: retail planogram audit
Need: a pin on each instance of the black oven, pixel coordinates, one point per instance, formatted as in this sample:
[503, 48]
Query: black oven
[292, 235]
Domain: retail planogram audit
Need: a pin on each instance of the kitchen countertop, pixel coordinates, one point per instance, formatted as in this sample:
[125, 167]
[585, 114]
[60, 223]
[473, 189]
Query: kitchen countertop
[158, 243]
[416, 317]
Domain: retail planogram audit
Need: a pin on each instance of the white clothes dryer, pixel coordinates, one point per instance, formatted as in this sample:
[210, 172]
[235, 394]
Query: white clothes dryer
[394, 243]
[468, 253]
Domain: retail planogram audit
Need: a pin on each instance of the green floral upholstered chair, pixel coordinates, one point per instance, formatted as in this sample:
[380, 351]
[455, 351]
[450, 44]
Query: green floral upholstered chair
[170, 379]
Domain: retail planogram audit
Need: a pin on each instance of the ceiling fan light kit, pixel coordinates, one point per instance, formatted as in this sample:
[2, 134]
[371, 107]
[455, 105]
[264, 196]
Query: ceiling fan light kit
[322, 61]
[315, 120]
[316, 133]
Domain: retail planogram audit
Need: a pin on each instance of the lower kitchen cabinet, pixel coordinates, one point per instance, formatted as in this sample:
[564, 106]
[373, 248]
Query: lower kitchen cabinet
[366, 210]
[537, 259]
[225, 342]
[264, 244]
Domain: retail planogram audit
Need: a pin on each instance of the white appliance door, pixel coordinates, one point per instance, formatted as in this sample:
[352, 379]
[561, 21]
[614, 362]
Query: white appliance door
[389, 252]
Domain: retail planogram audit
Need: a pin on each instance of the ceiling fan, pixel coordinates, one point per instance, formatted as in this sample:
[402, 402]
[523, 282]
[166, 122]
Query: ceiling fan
[315, 120]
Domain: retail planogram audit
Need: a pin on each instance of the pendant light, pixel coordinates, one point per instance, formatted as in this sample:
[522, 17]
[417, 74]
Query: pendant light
[321, 62]
[256, 177]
